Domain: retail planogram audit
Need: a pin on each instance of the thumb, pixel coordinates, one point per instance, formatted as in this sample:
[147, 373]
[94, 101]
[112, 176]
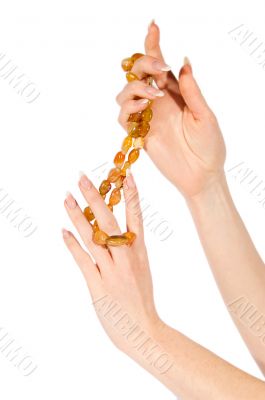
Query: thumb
[151, 44]
[191, 92]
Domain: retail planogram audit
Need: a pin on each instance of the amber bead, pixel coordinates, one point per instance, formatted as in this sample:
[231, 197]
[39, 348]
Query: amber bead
[133, 155]
[114, 174]
[116, 240]
[138, 143]
[100, 237]
[127, 64]
[119, 159]
[95, 226]
[130, 76]
[110, 207]
[104, 187]
[126, 144]
[135, 117]
[135, 56]
[127, 165]
[89, 214]
[119, 182]
[130, 236]
[133, 129]
[147, 115]
[144, 128]
[115, 197]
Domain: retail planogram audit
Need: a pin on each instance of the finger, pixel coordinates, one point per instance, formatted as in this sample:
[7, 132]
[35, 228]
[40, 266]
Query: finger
[138, 89]
[101, 255]
[85, 263]
[191, 92]
[133, 209]
[105, 218]
[130, 107]
[148, 65]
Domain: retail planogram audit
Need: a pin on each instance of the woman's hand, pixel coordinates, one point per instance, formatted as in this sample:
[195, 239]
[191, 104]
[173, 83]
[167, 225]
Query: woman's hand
[185, 141]
[118, 275]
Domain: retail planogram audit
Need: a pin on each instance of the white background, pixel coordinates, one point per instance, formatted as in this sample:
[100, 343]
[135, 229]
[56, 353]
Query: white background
[72, 51]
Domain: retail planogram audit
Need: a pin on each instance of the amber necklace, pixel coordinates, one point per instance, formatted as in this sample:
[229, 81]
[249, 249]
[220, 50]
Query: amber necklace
[137, 128]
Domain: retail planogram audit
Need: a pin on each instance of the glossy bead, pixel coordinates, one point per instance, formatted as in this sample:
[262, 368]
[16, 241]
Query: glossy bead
[138, 143]
[104, 187]
[127, 64]
[147, 115]
[126, 144]
[114, 174]
[133, 129]
[119, 159]
[119, 182]
[100, 237]
[95, 226]
[133, 155]
[135, 117]
[116, 240]
[110, 207]
[144, 128]
[115, 197]
[130, 76]
[130, 236]
[135, 56]
[89, 214]
[126, 166]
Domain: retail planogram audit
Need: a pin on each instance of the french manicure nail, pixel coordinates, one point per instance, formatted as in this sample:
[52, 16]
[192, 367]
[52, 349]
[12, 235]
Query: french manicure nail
[70, 201]
[151, 23]
[85, 182]
[155, 92]
[65, 233]
[186, 61]
[160, 66]
[143, 101]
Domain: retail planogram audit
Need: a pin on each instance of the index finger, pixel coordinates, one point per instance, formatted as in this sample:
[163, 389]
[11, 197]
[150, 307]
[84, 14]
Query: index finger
[148, 65]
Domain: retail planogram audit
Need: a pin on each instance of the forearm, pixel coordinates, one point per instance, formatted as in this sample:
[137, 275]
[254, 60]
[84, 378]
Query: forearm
[238, 269]
[194, 373]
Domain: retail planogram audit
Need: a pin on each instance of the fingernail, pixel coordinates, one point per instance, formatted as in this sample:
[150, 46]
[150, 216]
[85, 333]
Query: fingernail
[129, 179]
[85, 182]
[65, 233]
[143, 101]
[155, 92]
[151, 23]
[160, 66]
[70, 200]
[186, 61]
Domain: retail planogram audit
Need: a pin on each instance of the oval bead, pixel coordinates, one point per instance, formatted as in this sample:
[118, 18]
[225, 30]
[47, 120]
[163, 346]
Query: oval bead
[126, 144]
[104, 187]
[119, 182]
[130, 76]
[89, 214]
[138, 143]
[119, 159]
[127, 64]
[95, 226]
[133, 155]
[130, 236]
[126, 166]
[114, 174]
[147, 115]
[135, 117]
[110, 207]
[133, 129]
[100, 237]
[144, 128]
[116, 240]
[115, 197]
[135, 56]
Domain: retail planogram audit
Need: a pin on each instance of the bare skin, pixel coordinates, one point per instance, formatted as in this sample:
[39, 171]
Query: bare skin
[187, 146]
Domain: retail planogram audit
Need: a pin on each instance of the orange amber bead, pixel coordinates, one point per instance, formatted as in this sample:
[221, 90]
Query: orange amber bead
[133, 129]
[130, 76]
[104, 187]
[127, 64]
[147, 115]
[126, 144]
[130, 236]
[100, 237]
[110, 207]
[119, 159]
[89, 214]
[119, 182]
[116, 240]
[114, 174]
[126, 166]
[115, 197]
[135, 117]
[138, 143]
[95, 226]
[133, 155]
[135, 56]
[144, 128]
